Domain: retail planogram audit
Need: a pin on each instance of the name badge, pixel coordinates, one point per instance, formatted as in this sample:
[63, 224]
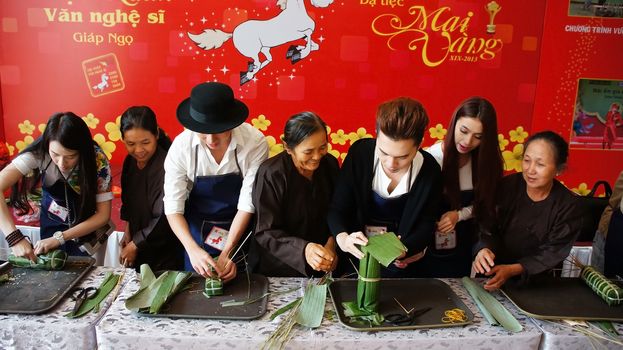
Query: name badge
[217, 237]
[375, 230]
[445, 240]
[58, 210]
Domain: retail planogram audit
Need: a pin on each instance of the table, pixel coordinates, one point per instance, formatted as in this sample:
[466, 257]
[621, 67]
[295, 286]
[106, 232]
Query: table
[557, 335]
[53, 330]
[121, 329]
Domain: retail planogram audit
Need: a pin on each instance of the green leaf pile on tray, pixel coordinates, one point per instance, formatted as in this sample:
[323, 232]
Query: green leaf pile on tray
[155, 292]
[306, 311]
[380, 250]
[109, 283]
[491, 308]
[54, 260]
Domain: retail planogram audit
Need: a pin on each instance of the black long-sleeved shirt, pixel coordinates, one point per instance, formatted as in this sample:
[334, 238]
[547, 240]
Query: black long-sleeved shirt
[537, 235]
[351, 204]
[291, 211]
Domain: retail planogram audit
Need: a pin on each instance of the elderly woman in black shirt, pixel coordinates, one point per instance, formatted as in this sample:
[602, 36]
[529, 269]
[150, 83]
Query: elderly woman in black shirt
[148, 238]
[291, 195]
[537, 219]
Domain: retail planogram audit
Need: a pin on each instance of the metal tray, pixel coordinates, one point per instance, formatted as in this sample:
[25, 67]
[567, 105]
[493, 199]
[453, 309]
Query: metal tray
[561, 298]
[36, 291]
[191, 303]
[412, 293]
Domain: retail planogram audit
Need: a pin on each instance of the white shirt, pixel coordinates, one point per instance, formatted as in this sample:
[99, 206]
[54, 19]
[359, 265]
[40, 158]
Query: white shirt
[179, 166]
[380, 181]
[465, 178]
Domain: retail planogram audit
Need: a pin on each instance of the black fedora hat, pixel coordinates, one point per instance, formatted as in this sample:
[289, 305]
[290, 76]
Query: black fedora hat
[211, 109]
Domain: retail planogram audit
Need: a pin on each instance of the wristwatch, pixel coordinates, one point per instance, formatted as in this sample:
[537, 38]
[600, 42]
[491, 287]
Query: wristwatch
[59, 236]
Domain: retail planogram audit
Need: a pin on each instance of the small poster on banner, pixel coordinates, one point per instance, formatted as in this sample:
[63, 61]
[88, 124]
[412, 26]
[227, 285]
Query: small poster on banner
[103, 75]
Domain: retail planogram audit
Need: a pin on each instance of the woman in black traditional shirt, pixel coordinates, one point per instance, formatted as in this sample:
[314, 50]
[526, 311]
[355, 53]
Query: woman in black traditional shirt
[537, 217]
[291, 195]
[148, 238]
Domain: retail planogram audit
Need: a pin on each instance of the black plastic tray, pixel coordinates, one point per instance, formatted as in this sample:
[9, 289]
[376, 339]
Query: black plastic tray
[191, 303]
[415, 293]
[561, 298]
[36, 291]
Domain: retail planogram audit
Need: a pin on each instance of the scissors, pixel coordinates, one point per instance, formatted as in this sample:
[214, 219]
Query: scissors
[407, 319]
[80, 295]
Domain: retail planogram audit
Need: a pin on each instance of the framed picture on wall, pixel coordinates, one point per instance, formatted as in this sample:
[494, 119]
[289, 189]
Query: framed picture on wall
[597, 116]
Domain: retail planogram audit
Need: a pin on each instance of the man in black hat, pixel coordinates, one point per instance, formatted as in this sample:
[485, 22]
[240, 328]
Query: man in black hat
[209, 174]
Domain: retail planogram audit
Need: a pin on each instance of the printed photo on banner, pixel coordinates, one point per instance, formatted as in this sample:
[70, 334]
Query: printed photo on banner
[597, 121]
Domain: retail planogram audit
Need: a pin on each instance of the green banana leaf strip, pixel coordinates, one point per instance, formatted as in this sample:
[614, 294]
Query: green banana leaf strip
[471, 287]
[495, 308]
[607, 327]
[385, 248]
[109, 283]
[164, 291]
[284, 309]
[54, 260]
[312, 307]
[143, 298]
[147, 276]
[155, 292]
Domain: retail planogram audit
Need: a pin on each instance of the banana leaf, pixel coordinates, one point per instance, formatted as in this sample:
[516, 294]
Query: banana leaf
[312, 307]
[109, 283]
[492, 306]
[385, 248]
[54, 260]
[151, 297]
[368, 283]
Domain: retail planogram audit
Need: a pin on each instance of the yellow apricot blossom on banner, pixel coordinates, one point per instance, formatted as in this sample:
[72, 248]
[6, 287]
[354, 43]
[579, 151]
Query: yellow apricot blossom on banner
[503, 142]
[114, 131]
[512, 159]
[261, 123]
[41, 128]
[438, 132]
[518, 135]
[274, 148]
[26, 127]
[582, 189]
[361, 133]
[339, 137]
[10, 148]
[91, 121]
[335, 152]
[24, 143]
[106, 146]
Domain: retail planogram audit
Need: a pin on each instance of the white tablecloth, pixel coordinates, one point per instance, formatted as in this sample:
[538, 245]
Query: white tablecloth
[53, 330]
[122, 329]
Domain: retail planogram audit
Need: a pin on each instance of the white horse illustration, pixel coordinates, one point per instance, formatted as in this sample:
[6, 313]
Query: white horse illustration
[103, 84]
[253, 37]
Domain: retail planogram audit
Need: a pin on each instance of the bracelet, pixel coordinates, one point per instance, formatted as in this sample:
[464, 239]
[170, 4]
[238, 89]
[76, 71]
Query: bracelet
[14, 237]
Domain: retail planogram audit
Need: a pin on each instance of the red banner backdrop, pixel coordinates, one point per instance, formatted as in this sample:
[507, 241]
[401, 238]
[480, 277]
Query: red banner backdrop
[338, 58]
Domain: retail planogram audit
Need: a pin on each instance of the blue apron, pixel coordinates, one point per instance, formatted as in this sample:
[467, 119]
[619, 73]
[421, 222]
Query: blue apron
[387, 212]
[213, 201]
[65, 196]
